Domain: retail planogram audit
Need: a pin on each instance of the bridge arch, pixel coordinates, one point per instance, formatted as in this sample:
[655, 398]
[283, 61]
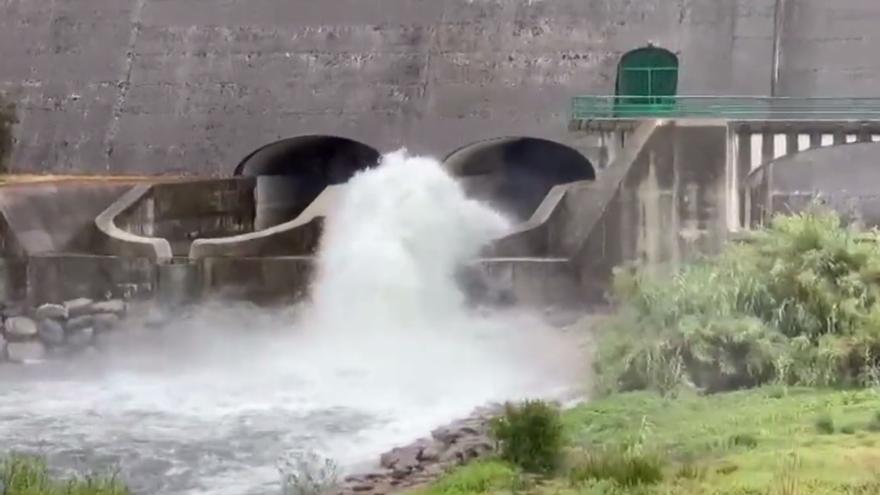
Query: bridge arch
[292, 172]
[516, 173]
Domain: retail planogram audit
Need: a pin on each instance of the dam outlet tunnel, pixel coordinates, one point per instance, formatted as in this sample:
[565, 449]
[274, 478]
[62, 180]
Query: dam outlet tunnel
[514, 174]
[292, 172]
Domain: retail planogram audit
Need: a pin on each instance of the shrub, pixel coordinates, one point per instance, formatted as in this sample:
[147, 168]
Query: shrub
[530, 435]
[825, 424]
[29, 475]
[799, 304]
[623, 467]
[306, 473]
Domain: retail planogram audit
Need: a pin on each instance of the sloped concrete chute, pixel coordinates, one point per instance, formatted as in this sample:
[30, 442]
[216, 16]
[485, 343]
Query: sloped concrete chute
[516, 173]
[292, 172]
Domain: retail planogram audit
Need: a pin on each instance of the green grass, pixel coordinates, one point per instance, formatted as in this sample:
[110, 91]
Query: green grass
[28, 475]
[758, 442]
[478, 477]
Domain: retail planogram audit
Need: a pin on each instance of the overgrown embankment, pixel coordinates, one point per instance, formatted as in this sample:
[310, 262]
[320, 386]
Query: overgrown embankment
[751, 373]
[799, 304]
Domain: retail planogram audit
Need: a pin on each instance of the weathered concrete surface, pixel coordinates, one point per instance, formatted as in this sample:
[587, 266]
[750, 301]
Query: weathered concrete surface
[561, 224]
[161, 221]
[843, 177]
[54, 217]
[671, 205]
[298, 237]
[124, 86]
[116, 241]
[58, 278]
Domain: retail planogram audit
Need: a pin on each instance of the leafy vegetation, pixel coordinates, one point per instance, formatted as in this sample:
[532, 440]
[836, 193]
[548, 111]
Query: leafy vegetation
[28, 475]
[796, 305]
[530, 435]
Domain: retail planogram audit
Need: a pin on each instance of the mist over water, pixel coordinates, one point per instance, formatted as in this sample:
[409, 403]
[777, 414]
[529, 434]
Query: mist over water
[383, 352]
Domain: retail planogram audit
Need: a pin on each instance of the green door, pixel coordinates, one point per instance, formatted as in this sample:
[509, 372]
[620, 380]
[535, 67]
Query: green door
[647, 80]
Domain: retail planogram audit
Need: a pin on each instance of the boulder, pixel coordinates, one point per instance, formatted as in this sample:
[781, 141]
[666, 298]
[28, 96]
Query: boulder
[51, 332]
[20, 328]
[115, 306]
[402, 459]
[78, 307]
[104, 322]
[51, 312]
[25, 352]
[81, 338]
[80, 322]
[451, 433]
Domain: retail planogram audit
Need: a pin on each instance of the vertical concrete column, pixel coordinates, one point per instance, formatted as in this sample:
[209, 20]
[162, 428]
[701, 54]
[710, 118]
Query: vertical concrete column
[767, 146]
[743, 168]
[815, 139]
[791, 142]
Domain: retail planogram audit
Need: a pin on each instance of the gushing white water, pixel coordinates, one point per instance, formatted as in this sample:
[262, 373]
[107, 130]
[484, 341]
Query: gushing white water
[384, 352]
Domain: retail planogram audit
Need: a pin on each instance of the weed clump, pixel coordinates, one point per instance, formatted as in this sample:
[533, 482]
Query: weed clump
[29, 475]
[624, 467]
[825, 424]
[798, 304]
[530, 435]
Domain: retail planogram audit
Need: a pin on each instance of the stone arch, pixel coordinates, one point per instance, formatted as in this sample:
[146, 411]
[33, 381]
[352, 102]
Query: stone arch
[516, 173]
[292, 172]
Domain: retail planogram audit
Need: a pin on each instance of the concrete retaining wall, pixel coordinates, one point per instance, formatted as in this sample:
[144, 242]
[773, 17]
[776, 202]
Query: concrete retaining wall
[844, 177]
[124, 86]
[54, 217]
[671, 206]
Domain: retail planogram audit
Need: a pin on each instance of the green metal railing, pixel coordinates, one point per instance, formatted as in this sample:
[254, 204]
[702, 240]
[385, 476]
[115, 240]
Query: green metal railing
[724, 107]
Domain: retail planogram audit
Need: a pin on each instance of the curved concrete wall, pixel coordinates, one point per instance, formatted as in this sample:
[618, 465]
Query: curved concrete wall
[123, 86]
[56, 217]
[844, 177]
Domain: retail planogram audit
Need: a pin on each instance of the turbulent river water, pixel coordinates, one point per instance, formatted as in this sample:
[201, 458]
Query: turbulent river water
[384, 351]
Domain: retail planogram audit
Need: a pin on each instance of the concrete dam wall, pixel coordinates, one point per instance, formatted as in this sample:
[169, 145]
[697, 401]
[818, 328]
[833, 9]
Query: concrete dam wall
[149, 86]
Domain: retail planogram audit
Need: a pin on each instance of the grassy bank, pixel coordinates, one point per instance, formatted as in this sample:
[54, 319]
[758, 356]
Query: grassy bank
[756, 371]
[767, 441]
[28, 475]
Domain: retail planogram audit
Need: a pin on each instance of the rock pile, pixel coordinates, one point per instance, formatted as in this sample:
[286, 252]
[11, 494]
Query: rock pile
[31, 335]
[426, 459]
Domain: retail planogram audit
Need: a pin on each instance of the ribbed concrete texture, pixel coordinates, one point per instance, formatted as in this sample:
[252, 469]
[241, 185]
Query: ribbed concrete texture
[154, 86]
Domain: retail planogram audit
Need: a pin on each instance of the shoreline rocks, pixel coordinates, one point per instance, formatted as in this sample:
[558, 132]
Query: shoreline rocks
[427, 459]
[29, 335]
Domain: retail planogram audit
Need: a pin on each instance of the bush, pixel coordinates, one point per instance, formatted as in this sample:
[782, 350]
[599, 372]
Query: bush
[796, 305]
[825, 424]
[28, 475]
[530, 435]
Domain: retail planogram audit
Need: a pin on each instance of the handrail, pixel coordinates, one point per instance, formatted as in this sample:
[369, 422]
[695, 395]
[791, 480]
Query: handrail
[596, 107]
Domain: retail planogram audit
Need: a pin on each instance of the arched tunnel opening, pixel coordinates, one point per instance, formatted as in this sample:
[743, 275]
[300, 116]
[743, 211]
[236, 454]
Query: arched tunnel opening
[292, 172]
[515, 174]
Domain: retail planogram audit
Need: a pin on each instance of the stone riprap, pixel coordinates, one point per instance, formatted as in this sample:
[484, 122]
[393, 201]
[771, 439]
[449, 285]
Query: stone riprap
[426, 459]
[35, 334]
